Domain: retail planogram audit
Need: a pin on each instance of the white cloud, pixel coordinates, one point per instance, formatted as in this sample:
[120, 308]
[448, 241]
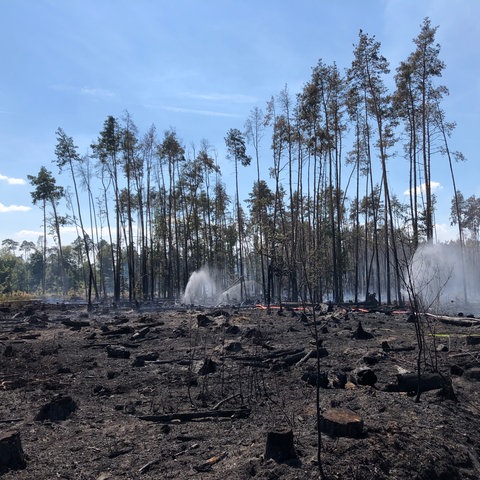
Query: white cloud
[29, 233]
[13, 208]
[97, 92]
[200, 112]
[222, 97]
[90, 91]
[445, 232]
[434, 187]
[12, 181]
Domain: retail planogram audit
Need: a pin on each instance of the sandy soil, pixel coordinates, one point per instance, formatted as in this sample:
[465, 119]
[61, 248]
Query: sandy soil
[189, 393]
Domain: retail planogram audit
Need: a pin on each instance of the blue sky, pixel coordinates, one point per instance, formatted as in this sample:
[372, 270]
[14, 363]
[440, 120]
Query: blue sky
[200, 66]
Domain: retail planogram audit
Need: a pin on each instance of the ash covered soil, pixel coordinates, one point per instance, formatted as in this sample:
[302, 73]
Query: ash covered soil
[154, 393]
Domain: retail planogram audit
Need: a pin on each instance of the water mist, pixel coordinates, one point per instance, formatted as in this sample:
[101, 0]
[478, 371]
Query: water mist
[446, 279]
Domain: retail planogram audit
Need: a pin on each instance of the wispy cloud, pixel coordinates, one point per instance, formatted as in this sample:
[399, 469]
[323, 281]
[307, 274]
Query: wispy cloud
[11, 180]
[88, 91]
[13, 208]
[29, 233]
[221, 97]
[97, 92]
[200, 112]
[434, 186]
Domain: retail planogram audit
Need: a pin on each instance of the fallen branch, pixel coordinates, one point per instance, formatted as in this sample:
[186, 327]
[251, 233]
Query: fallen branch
[207, 465]
[147, 466]
[457, 321]
[221, 402]
[187, 416]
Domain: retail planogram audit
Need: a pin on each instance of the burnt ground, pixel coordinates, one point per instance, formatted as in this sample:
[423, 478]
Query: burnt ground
[172, 394]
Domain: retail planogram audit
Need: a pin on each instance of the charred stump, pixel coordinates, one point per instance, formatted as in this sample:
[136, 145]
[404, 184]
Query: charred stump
[280, 446]
[361, 334]
[11, 452]
[58, 409]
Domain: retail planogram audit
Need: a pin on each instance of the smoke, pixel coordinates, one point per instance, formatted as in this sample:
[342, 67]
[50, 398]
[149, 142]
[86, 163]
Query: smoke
[444, 279]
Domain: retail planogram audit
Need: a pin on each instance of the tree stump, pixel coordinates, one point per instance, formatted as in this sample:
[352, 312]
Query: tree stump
[11, 452]
[365, 376]
[60, 408]
[361, 334]
[341, 422]
[208, 366]
[279, 446]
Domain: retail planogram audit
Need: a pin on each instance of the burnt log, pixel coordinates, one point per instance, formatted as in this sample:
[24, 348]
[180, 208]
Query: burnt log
[189, 416]
[318, 352]
[141, 333]
[124, 330]
[11, 452]
[117, 351]
[145, 357]
[472, 374]
[75, 324]
[473, 340]
[410, 382]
